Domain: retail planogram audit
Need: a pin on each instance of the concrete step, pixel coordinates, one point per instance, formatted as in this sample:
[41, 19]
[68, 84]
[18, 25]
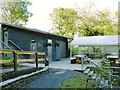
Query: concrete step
[87, 70]
[94, 76]
[90, 73]
[98, 78]
[106, 83]
[102, 82]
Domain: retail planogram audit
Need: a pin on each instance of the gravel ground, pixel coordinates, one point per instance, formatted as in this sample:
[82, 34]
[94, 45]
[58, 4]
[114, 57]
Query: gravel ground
[48, 79]
[12, 74]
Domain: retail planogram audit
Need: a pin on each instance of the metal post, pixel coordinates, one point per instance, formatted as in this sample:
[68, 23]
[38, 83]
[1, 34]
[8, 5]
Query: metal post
[103, 52]
[79, 50]
[15, 61]
[110, 79]
[36, 55]
[70, 51]
[82, 58]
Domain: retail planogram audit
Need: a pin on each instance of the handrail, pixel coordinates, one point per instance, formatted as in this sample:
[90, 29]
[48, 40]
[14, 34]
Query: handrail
[15, 45]
[5, 44]
[21, 52]
[16, 59]
[97, 66]
[102, 70]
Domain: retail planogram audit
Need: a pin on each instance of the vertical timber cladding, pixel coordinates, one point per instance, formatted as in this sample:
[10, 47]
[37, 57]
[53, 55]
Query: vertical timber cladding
[58, 49]
[24, 38]
[45, 48]
[53, 50]
[61, 49]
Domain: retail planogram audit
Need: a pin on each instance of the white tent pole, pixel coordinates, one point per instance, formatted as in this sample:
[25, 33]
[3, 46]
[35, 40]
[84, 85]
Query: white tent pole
[82, 61]
[79, 50]
[102, 51]
[70, 51]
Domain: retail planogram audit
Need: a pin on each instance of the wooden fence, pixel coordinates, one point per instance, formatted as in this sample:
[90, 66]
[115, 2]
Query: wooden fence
[16, 60]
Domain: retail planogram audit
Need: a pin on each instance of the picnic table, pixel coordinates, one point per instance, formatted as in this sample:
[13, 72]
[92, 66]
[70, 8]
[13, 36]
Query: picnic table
[78, 59]
[113, 60]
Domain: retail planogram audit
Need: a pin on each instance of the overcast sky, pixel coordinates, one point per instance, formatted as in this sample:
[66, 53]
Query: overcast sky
[42, 8]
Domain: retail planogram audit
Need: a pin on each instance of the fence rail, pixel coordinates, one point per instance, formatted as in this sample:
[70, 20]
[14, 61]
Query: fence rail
[16, 60]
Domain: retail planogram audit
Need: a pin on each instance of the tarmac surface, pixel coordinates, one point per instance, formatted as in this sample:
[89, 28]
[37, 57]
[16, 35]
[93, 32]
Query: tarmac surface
[51, 79]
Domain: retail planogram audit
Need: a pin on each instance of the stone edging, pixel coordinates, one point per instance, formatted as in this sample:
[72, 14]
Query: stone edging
[21, 77]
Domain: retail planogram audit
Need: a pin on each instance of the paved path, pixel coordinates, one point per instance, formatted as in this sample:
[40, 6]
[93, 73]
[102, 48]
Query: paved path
[62, 64]
[65, 64]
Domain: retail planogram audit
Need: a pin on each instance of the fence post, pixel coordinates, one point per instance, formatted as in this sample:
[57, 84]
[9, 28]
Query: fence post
[15, 61]
[36, 60]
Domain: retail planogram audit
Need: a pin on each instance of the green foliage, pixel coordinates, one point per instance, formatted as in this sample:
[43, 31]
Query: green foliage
[74, 50]
[97, 23]
[84, 22]
[105, 73]
[8, 64]
[5, 58]
[77, 82]
[15, 12]
[64, 21]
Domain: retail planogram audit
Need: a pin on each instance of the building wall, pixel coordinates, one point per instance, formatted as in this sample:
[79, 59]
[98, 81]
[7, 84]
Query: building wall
[61, 49]
[58, 51]
[22, 38]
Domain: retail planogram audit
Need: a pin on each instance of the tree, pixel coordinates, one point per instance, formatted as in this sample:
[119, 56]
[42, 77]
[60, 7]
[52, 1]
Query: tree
[64, 21]
[15, 12]
[97, 23]
[84, 22]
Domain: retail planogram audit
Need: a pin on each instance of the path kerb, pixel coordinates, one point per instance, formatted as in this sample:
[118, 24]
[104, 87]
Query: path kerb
[21, 77]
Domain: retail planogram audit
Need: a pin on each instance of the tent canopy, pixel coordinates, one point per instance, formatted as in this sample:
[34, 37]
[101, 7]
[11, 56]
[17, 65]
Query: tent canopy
[96, 40]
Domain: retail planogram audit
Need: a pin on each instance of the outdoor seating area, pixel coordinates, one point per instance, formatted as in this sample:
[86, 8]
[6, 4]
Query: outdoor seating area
[114, 60]
[78, 59]
[98, 47]
[60, 44]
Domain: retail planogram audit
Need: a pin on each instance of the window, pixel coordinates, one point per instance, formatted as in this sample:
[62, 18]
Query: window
[6, 34]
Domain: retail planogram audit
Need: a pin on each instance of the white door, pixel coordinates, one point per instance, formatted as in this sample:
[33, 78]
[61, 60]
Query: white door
[50, 50]
[33, 47]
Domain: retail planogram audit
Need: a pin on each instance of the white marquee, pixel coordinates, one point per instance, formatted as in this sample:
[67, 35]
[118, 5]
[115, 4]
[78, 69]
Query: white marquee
[104, 41]
[96, 40]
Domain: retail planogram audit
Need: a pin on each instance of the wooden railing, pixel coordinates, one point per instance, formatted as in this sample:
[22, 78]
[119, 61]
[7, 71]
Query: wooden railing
[17, 60]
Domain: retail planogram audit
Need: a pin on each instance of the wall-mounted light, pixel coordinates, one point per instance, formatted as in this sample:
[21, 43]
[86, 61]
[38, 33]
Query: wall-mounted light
[48, 44]
[5, 28]
[33, 41]
[57, 44]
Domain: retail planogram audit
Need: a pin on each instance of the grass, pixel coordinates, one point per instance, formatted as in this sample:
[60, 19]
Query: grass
[77, 82]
